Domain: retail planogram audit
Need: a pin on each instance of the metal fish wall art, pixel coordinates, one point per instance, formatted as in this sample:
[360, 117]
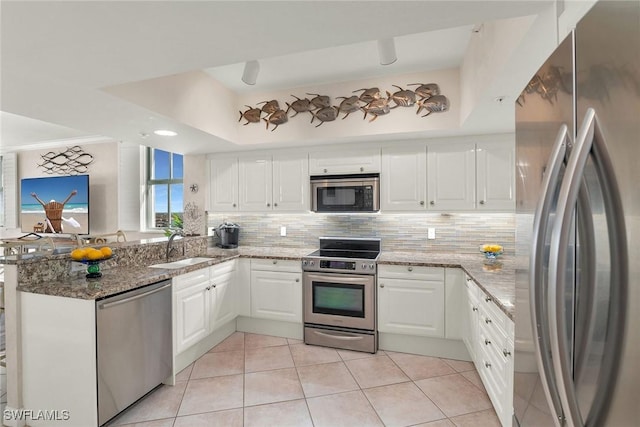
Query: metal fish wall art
[320, 101]
[370, 100]
[326, 114]
[348, 105]
[403, 98]
[277, 118]
[299, 105]
[368, 95]
[434, 104]
[270, 107]
[252, 115]
[377, 107]
[426, 90]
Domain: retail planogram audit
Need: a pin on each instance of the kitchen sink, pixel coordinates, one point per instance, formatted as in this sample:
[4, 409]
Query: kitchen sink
[182, 263]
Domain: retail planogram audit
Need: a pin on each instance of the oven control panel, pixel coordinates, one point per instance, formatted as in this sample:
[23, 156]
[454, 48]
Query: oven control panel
[338, 265]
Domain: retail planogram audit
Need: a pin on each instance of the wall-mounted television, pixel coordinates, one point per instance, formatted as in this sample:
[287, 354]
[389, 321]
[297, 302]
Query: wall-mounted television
[58, 204]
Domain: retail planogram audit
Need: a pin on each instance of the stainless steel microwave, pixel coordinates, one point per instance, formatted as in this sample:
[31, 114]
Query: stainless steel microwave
[345, 193]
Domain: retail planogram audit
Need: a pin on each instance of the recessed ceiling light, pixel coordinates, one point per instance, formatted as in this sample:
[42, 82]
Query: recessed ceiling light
[165, 132]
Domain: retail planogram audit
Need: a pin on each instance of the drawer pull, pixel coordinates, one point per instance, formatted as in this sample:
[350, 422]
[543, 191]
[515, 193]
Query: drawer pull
[410, 268]
[208, 288]
[487, 364]
[475, 309]
[275, 261]
[506, 352]
[486, 342]
[214, 285]
[297, 280]
[487, 320]
[382, 285]
[488, 299]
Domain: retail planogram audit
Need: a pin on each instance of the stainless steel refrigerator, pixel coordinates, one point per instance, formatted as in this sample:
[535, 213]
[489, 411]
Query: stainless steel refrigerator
[577, 321]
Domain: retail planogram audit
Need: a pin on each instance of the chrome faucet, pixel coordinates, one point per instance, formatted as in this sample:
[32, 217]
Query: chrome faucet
[170, 249]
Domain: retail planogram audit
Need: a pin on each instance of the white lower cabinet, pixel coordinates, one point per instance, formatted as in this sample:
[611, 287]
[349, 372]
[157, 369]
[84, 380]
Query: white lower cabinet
[490, 342]
[276, 290]
[411, 300]
[204, 300]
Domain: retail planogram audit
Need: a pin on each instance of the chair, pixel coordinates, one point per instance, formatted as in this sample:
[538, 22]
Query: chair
[99, 239]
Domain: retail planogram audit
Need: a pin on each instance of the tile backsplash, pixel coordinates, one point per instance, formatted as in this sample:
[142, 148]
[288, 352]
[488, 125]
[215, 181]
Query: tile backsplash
[459, 232]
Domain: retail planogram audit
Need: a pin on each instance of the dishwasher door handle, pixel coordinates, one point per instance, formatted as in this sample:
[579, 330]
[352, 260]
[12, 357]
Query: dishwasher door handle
[133, 298]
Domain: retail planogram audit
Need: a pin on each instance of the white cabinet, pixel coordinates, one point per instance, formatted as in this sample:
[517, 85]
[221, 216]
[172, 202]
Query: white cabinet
[204, 300]
[223, 184]
[411, 300]
[278, 184]
[192, 305]
[403, 180]
[290, 182]
[471, 317]
[451, 176]
[256, 184]
[495, 183]
[276, 290]
[490, 342]
[337, 161]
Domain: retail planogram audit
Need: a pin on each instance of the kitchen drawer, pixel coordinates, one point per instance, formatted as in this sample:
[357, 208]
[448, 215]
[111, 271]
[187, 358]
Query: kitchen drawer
[222, 269]
[186, 280]
[496, 315]
[276, 265]
[472, 289]
[411, 272]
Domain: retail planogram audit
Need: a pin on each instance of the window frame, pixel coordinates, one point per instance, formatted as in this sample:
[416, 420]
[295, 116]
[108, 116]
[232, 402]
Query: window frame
[151, 182]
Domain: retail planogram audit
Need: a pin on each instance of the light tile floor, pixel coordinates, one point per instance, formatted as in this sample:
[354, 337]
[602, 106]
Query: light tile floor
[258, 380]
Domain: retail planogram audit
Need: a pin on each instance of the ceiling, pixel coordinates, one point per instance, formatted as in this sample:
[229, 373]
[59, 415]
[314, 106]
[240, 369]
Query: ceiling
[58, 56]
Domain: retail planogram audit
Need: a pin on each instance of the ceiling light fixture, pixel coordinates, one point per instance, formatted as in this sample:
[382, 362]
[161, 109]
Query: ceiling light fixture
[387, 51]
[250, 73]
[165, 132]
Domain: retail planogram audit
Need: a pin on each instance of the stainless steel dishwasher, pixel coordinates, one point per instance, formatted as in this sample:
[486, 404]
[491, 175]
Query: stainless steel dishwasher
[134, 341]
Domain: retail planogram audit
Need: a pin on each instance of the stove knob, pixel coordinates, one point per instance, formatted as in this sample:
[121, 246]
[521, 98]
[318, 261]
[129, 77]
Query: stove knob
[364, 266]
[311, 263]
[304, 262]
[371, 266]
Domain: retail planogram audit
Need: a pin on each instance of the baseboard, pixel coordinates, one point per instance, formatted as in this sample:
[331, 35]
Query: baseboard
[275, 328]
[426, 346]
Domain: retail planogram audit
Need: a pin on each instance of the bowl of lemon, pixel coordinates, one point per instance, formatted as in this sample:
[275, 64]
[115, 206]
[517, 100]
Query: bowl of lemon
[92, 257]
[491, 252]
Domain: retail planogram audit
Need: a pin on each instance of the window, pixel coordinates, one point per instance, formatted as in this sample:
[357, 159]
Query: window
[164, 187]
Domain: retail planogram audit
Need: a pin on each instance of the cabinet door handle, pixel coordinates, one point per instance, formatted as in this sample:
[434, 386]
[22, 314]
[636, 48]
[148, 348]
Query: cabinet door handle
[432, 203]
[297, 280]
[410, 268]
[268, 205]
[275, 261]
[361, 169]
[275, 205]
[482, 202]
[487, 364]
[213, 285]
[486, 342]
[488, 299]
[234, 205]
[487, 320]
[325, 171]
[506, 352]
[421, 202]
[208, 288]
[475, 309]
[382, 285]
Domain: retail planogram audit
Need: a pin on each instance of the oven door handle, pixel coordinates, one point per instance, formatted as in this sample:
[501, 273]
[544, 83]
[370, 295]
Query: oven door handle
[339, 336]
[346, 279]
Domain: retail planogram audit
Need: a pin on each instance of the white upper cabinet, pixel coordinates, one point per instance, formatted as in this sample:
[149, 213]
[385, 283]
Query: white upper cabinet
[256, 193]
[403, 185]
[290, 182]
[496, 176]
[451, 176]
[334, 161]
[223, 185]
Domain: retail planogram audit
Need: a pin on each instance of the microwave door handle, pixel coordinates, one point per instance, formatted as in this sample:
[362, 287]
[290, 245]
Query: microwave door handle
[537, 300]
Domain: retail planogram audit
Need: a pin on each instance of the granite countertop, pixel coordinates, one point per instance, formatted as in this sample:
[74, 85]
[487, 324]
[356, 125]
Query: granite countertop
[498, 283]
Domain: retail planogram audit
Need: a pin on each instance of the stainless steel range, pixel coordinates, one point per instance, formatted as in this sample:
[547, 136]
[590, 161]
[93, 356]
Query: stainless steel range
[339, 288]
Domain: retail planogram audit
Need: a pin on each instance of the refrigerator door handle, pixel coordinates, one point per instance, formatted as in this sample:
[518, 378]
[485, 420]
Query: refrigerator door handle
[588, 142]
[537, 300]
